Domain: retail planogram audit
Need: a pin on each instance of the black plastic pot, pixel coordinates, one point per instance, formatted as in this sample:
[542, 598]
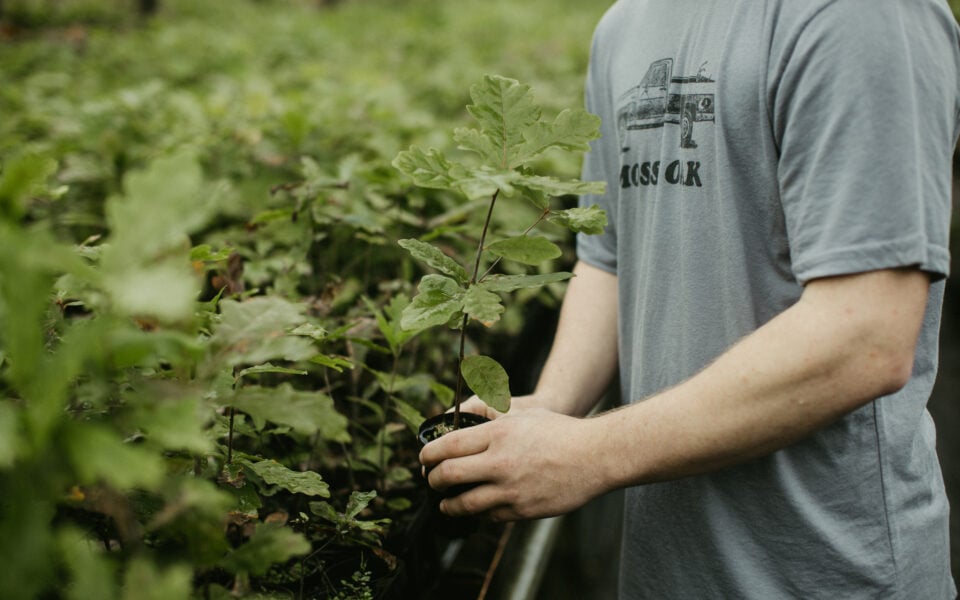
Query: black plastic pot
[431, 429]
[438, 425]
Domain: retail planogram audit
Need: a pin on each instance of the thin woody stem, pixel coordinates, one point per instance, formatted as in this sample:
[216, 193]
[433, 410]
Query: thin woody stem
[463, 324]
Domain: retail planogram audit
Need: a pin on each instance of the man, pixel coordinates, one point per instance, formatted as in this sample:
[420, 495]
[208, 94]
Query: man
[770, 285]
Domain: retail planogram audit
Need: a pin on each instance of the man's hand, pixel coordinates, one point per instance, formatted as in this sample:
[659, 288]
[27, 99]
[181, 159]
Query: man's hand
[529, 463]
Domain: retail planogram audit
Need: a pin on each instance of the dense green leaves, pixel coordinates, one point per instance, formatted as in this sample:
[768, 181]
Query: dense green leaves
[510, 133]
[199, 271]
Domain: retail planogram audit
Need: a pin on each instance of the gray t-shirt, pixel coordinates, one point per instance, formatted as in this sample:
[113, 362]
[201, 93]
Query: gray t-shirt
[750, 146]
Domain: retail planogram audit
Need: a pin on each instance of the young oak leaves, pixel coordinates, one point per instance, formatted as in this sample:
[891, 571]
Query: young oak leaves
[511, 133]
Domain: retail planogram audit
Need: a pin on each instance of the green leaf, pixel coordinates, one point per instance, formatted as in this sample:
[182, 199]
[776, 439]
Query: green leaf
[552, 186]
[159, 207]
[270, 544]
[133, 347]
[571, 130]
[268, 368]
[174, 421]
[433, 257]
[443, 393]
[529, 250]
[357, 502]
[389, 319]
[591, 221]
[439, 300]
[308, 483]
[257, 330]
[410, 415]
[509, 283]
[311, 331]
[503, 108]
[482, 305]
[145, 580]
[347, 520]
[488, 380]
[91, 572]
[206, 253]
[166, 291]
[9, 434]
[146, 260]
[304, 412]
[483, 182]
[429, 169]
[336, 363]
[98, 454]
[21, 177]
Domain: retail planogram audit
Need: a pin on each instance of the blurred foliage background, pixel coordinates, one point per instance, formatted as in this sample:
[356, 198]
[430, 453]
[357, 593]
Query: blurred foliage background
[282, 117]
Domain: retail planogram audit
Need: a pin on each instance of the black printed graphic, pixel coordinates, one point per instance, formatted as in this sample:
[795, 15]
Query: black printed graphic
[661, 97]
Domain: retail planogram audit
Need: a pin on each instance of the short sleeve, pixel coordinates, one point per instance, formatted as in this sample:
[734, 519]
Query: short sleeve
[600, 250]
[865, 111]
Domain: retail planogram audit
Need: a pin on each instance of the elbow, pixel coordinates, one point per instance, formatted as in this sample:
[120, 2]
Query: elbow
[895, 374]
[889, 365]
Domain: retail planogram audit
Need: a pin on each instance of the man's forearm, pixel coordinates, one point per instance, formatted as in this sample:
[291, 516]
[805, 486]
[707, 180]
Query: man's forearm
[845, 343]
[583, 359]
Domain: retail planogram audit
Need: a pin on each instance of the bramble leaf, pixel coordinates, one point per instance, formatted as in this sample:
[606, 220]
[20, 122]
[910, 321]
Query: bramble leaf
[258, 330]
[590, 220]
[508, 283]
[439, 300]
[304, 412]
[529, 250]
[488, 380]
[482, 305]
[435, 258]
[308, 483]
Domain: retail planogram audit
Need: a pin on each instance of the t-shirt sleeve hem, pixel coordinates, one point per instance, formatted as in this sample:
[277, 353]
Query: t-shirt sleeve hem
[914, 251]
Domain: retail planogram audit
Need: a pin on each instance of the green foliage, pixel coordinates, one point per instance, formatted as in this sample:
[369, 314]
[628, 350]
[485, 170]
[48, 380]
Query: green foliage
[204, 309]
[511, 133]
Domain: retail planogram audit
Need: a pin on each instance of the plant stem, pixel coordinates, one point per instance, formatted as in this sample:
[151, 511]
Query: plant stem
[463, 325]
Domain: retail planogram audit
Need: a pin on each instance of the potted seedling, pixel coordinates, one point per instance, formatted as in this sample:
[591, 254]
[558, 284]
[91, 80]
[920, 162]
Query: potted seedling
[510, 135]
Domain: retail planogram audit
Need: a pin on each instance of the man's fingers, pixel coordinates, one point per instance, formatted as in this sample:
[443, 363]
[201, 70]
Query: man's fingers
[462, 442]
[458, 471]
[481, 500]
[475, 405]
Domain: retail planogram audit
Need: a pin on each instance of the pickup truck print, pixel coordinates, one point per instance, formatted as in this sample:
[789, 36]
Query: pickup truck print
[661, 97]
